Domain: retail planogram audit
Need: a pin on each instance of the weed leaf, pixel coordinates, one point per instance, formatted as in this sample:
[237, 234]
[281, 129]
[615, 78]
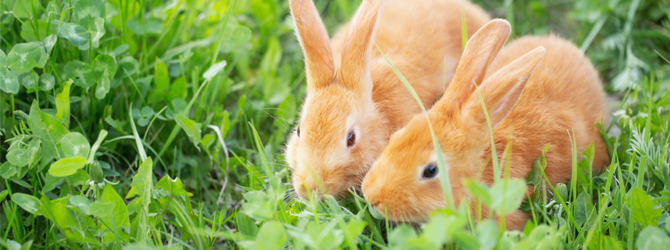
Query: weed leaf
[67, 166]
[27, 202]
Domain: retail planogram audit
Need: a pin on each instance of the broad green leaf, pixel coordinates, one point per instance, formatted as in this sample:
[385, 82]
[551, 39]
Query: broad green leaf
[79, 72]
[487, 234]
[27, 202]
[47, 82]
[119, 214]
[34, 149]
[175, 187]
[652, 238]
[67, 166]
[178, 106]
[142, 183]
[178, 90]
[29, 81]
[25, 56]
[75, 144]
[161, 82]
[8, 170]
[214, 70]
[465, 240]
[479, 190]
[81, 203]
[542, 237]
[102, 89]
[507, 199]
[135, 207]
[9, 83]
[441, 227]
[51, 182]
[401, 235]
[101, 209]
[63, 104]
[103, 65]
[324, 236]
[584, 166]
[77, 35]
[89, 30]
[246, 225]
[258, 205]
[272, 235]
[48, 129]
[19, 157]
[67, 221]
[102, 71]
[49, 42]
[28, 33]
[583, 208]
[88, 24]
[191, 128]
[54, 9]
[645, 209]
[78, 178]
[24, 9]
[86, 10]
[117, 124]
[128, 66]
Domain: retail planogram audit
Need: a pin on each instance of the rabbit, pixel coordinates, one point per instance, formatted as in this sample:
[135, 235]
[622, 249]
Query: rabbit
[536, 91]
[354, 99]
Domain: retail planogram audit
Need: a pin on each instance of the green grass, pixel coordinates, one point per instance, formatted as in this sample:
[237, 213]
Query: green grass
[180, 111]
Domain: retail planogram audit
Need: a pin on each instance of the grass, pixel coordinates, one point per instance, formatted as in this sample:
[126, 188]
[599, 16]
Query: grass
[180, 110]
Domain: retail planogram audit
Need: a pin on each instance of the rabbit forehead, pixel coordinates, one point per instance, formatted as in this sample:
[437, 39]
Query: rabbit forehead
[328, 115]
[329, 111]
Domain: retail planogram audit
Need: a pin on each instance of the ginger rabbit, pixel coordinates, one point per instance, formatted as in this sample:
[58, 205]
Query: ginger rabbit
[537, 90]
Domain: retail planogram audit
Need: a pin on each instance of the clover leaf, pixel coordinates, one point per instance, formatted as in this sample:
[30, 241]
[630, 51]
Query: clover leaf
[88, 26]
[9, 83]
[178, 105]
[25, 56]
[144, 116]
[29, 81]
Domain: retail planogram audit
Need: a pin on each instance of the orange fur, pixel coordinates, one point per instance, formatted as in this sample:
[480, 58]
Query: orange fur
[359, 91]
[536, 98]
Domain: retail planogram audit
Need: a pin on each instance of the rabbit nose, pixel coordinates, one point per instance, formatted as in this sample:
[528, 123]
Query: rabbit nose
[374, 201]
[310, 185]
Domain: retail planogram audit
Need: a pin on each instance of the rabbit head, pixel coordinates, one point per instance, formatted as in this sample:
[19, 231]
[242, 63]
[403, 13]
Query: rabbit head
[339, 134]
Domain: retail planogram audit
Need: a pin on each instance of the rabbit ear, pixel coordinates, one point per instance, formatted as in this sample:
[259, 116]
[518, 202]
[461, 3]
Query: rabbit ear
[501, 90]
[314, 41]
[480, 51]
[358, 45]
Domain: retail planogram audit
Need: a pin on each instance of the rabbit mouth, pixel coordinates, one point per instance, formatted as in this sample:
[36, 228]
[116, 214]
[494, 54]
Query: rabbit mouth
[401, 214]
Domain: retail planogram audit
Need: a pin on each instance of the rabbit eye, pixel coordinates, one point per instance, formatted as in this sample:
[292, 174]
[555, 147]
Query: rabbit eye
[298, 131]
[430, 171]
[351, 139]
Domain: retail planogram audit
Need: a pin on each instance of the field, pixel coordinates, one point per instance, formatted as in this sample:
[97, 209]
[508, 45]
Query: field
[161, 124]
